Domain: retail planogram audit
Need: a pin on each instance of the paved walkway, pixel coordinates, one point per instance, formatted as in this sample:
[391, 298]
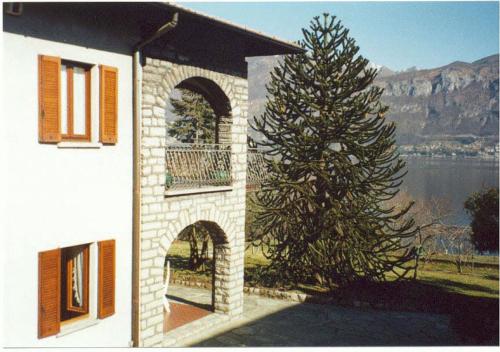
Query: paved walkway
[272, 322]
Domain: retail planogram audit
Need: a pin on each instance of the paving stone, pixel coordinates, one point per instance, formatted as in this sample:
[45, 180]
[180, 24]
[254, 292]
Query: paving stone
[246, 330]
[228, 340]
[270, 322]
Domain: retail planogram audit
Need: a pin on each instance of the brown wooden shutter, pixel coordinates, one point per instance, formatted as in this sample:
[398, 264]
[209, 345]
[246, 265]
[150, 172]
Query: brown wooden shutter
[108, 132]
[106, 306]
[49, 292]
[49, 99]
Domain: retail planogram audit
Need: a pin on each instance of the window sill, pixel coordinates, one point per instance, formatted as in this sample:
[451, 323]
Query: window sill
[77, 326]
[79, 145]
[208, 189]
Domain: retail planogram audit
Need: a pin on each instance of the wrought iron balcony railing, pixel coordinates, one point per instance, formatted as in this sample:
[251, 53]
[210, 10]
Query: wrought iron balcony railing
[256, 168]
[190, 166]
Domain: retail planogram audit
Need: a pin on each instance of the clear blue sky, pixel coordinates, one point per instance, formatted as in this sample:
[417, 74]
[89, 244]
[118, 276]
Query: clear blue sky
[395, 34]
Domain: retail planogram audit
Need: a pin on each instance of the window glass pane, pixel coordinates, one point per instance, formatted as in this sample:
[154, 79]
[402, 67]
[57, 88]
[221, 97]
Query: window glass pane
[79, 101]
[64, 100]
[74, 282]
[77, 276]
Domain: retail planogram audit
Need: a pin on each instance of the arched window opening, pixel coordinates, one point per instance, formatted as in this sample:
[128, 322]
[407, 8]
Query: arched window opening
[198, 136]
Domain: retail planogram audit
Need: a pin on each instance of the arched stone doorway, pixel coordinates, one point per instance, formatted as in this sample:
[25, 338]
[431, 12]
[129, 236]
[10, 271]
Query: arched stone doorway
[164, 216]
[227, 283]
[217, 295]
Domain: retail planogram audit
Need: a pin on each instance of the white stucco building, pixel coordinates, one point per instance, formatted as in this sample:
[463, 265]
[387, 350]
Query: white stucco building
[88, 213]
[66, 193]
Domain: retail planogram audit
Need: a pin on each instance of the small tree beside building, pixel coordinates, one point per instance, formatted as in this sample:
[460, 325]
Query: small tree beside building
[197, 120]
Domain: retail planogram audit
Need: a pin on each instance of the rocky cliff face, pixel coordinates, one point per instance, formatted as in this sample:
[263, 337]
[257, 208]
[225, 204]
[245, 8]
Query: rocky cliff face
[457, 99]
[454, 100]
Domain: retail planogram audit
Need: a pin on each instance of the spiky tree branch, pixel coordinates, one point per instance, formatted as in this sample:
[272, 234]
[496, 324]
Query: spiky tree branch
[333, 165]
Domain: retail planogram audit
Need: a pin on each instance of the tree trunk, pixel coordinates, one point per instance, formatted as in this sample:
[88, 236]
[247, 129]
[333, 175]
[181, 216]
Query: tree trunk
[204, 253]
[459, 260]
[415, 273]
[193, 251]
[197, 258]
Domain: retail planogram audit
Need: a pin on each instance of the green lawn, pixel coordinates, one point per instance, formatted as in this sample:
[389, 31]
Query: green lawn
[480, 282]
[470, 298]
[483, 281]
[178, 254]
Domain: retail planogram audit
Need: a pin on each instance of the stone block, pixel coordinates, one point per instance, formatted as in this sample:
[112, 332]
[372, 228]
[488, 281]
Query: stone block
[149, 254]
[146, 314]
[149, 200]
[157, 131]
[150, 307]
[154, 320]
[148, 218]
[146, 191]
[152, 180]
[151, 78]
[158, 152]
[150, 297]
[158, 112]
[155, 271]
[148, 234]
[145, 244]
[160, 102]
[158, 262]
[153, 341]
[155, 208]
[144, 273]
[146, 263]
[148, 99]
[151, 142]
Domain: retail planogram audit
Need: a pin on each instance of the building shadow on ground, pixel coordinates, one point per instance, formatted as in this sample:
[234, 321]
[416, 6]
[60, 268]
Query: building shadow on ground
[416, 314]
[176, 298]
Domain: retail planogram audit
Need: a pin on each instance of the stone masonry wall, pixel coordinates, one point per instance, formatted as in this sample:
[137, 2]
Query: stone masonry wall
[162, 218]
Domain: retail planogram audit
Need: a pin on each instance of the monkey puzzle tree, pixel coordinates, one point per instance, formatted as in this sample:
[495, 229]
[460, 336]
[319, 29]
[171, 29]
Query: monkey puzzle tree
[333, 166]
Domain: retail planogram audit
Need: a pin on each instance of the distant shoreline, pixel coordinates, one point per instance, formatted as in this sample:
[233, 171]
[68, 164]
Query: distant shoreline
[450, 157]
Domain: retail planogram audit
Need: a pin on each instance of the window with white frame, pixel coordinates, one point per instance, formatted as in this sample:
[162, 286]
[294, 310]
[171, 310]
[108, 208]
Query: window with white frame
[64, 285]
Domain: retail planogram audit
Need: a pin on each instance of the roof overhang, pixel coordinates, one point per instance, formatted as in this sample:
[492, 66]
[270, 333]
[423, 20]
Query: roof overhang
[258, 44]
[196, 39]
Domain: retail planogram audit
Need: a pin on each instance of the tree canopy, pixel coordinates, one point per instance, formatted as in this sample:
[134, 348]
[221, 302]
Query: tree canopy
[483, 209]
[333, 166]
[197, 121]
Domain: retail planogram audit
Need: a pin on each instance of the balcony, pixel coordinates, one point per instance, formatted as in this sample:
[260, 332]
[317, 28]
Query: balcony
[256, 169]
[203, 168]
[197, 168]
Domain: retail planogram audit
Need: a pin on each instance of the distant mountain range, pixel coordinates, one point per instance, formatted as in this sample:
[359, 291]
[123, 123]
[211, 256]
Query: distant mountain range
[456, 100]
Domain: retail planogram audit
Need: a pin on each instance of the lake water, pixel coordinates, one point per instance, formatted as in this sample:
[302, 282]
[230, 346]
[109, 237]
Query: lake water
[454, 179]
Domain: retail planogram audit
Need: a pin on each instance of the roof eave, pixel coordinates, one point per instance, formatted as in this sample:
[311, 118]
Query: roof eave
[286, 46]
